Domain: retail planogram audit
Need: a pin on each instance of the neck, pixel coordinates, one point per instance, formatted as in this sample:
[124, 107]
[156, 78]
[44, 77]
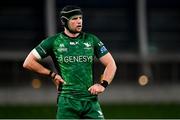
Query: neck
[70, 34]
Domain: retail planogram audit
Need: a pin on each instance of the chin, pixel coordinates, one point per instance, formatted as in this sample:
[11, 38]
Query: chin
[78, 31]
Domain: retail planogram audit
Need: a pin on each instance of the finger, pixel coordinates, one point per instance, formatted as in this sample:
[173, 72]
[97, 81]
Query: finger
[97, 92]
[61, 80]
[93, 91]
[90, 88]
[56, 82]
[58, 77]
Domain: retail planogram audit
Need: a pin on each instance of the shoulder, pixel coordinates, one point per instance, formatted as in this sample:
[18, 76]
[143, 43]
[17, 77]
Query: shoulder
[48, 42]
[90, 36]
[50, 39]
[54, 37]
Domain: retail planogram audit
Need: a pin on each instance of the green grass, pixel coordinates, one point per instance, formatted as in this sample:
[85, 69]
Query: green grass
[113, 111]
[28, 111]
[143, 111]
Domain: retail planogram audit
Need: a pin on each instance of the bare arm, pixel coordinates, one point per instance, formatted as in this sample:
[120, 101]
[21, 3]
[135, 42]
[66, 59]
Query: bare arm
[32, 63]
[110, 69]
[108, 75]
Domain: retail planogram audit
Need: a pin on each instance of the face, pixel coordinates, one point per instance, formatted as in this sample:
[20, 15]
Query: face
[75, 24]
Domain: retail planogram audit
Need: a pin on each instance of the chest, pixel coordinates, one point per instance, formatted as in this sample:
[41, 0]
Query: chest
[75, 48]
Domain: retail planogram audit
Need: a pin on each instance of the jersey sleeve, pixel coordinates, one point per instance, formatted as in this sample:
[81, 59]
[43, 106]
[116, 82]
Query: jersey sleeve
[99, 48]
[43, 49]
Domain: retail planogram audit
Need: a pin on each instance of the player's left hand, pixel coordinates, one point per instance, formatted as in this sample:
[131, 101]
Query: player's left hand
[96, 89]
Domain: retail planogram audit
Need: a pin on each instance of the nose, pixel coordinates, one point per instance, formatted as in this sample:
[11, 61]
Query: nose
[79, 20]
[79, 23]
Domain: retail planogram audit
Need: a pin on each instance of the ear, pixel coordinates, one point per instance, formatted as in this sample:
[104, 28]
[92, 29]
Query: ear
[62, 21]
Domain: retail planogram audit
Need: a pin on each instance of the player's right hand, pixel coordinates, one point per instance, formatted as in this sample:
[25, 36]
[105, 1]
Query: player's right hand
[58, 80]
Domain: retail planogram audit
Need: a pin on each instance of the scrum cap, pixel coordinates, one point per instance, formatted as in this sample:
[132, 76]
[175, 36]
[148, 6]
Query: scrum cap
[69, 11]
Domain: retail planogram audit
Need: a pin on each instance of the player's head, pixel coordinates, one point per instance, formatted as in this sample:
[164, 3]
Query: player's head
[71, 18]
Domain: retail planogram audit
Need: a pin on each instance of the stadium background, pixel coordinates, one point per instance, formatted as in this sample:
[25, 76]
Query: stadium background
[142, 35]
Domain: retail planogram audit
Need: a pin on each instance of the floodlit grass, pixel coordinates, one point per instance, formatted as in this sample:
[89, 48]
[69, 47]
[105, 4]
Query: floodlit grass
[142, 111]
[28, 111]
[111, 111]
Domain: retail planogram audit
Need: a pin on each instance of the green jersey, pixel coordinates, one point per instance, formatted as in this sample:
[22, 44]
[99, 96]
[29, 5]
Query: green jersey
[73, 59]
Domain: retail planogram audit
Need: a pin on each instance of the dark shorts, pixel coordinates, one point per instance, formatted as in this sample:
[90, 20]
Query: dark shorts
[77, 109]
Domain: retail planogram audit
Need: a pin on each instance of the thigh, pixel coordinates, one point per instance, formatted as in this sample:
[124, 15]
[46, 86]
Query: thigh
[93, 111]
[67, 109]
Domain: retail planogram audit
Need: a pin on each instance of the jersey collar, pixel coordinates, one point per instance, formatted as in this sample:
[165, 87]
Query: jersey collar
[72, 37]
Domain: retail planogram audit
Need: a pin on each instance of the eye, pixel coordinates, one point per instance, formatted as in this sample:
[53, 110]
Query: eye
[75, 18]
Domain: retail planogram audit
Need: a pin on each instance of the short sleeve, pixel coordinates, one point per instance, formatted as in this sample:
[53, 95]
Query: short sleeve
[99, 48]
[44, 48]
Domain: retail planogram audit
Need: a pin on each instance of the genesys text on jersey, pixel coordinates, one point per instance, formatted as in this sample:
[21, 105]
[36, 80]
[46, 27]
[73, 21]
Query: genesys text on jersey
[81, 58]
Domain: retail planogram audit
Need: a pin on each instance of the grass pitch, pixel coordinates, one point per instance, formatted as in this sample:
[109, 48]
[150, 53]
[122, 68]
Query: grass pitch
[111, 111]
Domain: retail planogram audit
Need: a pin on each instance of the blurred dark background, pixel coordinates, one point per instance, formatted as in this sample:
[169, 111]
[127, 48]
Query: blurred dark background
[142, 35]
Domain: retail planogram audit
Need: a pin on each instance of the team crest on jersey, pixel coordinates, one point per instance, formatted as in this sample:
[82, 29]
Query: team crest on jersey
[87, 46]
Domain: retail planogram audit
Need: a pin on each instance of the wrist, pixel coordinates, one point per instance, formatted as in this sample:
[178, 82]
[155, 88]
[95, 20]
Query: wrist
[52, 74]
[104, 83]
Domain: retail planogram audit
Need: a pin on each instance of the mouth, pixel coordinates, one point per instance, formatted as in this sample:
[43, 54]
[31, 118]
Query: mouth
[79, 26]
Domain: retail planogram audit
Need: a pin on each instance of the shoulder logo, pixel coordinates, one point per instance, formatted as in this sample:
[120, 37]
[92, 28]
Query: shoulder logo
[103, 49]
[100, 43]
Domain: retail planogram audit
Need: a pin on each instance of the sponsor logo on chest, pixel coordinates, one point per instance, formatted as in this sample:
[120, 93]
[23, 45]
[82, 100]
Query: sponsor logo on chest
[75, 59]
